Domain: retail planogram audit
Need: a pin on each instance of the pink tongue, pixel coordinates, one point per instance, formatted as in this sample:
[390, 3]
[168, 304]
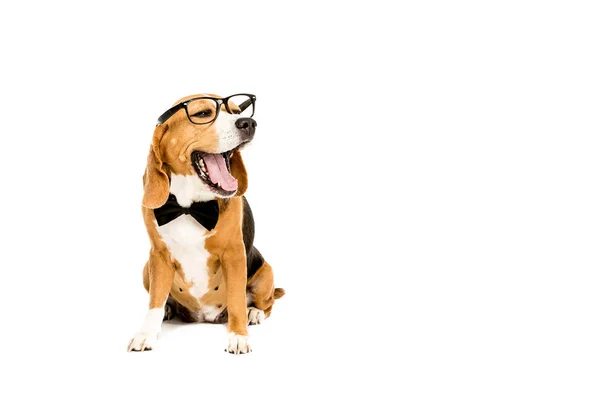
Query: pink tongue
[217, 171]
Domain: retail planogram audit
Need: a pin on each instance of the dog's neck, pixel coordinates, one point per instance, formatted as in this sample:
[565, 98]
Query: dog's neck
[189, 189]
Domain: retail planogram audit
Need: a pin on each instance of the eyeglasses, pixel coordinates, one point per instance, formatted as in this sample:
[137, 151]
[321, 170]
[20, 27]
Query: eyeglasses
[204, 110]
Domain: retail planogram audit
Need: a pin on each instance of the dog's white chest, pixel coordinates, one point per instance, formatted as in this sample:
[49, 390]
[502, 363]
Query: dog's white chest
[185, 238]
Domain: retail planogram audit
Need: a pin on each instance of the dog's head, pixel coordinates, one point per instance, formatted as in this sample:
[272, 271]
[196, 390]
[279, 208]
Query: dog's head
[199, 140]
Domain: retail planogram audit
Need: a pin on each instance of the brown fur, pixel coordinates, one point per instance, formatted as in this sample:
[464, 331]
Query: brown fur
[171, 148]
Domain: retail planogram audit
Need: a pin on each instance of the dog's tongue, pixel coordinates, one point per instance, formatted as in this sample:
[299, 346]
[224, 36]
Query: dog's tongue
[218, 173]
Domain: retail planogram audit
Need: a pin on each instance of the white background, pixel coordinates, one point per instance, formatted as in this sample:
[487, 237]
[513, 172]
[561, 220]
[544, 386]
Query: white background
[424, 180]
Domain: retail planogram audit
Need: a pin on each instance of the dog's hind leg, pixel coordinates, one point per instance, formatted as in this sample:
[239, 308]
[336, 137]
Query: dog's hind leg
[261, 294]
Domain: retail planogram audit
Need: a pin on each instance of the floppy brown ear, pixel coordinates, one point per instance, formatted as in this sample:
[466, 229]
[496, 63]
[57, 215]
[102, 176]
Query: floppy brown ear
[238, 170]
[156, 181]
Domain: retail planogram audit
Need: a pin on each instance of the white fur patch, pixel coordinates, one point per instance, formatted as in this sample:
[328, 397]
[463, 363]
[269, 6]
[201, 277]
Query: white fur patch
[153, 320]
[146, 338]
[189, 189]
[255, 316]
[143, 341]
[184, 238]
[209, 313]
[229, 134]
[238, 344]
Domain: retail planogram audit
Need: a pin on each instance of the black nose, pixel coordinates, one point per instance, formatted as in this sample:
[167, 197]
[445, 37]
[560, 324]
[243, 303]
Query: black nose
[248, 125]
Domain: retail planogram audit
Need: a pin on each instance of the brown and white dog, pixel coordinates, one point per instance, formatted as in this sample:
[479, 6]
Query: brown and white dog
[194, 272]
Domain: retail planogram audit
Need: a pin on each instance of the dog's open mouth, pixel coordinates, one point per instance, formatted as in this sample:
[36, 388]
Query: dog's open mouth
[215, 171]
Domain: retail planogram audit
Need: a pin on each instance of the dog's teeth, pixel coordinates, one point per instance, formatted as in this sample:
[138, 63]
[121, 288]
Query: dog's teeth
[202, 166]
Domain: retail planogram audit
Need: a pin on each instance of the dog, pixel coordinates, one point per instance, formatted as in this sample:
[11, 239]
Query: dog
[203, 266]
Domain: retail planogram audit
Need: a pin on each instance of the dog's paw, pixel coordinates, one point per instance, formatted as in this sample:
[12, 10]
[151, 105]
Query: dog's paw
[255, 316]
[143, 341]
[169, 314]
[238, 344]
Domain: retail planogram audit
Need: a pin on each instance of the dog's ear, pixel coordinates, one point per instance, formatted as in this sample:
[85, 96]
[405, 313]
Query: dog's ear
[238, 170]
[156, 181]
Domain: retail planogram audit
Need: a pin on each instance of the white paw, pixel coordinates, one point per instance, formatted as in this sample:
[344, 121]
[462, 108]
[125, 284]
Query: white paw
[255, 316]
[238, 344]
[143, 341]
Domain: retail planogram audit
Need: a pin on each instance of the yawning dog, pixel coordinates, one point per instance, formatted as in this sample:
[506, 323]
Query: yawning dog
[202, 264]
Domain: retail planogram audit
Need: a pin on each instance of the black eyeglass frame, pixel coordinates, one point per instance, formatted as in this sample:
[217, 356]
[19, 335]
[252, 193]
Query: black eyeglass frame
[220, 101]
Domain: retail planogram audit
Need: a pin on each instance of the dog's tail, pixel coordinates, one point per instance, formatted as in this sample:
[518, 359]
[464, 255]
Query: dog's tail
[279, 292]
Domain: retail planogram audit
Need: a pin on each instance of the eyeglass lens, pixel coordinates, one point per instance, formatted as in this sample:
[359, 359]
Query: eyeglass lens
[203, 111]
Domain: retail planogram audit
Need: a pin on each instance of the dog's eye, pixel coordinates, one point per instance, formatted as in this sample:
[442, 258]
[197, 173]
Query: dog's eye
[203, 114]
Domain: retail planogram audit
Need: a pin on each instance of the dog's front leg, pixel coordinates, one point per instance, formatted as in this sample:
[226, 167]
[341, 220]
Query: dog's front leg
[234, 267]
[161, 272]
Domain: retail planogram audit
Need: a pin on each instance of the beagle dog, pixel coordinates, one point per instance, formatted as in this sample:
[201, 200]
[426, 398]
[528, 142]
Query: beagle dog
[202, 264]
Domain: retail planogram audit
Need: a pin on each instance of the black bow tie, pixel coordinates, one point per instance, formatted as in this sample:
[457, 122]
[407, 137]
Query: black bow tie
[206, 212]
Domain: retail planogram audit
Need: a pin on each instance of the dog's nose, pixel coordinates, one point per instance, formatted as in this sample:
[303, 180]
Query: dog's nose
[247, 125]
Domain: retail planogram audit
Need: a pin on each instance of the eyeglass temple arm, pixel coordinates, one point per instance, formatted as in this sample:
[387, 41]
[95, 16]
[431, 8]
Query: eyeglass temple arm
[245, 104]
[168, 114]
